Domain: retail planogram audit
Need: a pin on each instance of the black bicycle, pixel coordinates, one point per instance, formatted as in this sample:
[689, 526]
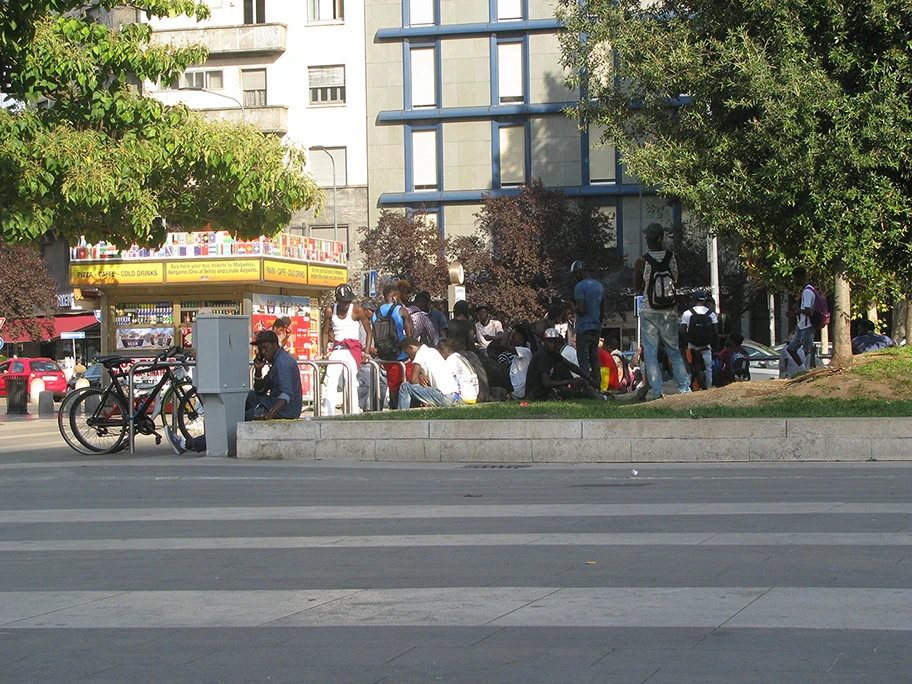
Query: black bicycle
[94, 421]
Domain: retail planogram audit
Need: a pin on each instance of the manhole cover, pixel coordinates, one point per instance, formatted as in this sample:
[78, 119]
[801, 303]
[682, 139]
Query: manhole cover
[497, 467]
[613, 484]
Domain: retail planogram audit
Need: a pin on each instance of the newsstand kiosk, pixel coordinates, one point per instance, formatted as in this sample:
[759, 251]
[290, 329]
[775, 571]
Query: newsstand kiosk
[150, 298]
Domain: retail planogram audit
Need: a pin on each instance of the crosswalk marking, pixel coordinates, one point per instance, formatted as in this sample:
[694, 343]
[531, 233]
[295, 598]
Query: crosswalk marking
[81, 515]
[743, 607]
[429, 540]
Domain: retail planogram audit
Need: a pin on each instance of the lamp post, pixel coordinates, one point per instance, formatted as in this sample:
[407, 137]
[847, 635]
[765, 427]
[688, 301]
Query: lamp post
[320, 148]
[198, 89]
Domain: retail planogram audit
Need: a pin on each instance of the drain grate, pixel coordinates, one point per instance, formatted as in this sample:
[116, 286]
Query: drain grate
[499, 466]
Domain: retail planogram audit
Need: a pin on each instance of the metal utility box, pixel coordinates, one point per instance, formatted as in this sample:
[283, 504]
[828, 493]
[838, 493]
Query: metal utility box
[223, 353]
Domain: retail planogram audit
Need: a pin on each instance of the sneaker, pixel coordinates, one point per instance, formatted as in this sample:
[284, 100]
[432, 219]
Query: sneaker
[177, 442]
[640, 394]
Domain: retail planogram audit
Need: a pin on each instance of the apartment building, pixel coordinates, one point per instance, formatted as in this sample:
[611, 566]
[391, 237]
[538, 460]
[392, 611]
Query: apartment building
[466, 97]
[294, 68]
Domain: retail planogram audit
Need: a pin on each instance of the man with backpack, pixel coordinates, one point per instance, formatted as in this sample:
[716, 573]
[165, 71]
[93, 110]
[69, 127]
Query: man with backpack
[733, 362]
[391, 323]
[700, 327]
[654, 275]
[813, 314]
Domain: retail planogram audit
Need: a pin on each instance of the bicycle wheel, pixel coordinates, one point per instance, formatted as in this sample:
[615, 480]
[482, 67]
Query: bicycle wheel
[188, 414]
[93, 421]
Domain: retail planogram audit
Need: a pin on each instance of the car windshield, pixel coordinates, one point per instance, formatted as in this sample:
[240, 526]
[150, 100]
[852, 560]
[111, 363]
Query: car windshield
[44, 366]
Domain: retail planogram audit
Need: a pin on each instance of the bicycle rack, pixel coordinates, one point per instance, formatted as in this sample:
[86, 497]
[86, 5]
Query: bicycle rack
[315, 365]
[130, 391]
[375, 380]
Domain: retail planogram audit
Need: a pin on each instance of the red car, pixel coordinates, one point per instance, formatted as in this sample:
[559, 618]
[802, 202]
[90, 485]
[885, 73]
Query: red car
[38, 368]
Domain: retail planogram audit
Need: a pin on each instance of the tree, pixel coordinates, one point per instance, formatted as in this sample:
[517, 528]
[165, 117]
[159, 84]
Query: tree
[785, 124]
[104, 161]
[520, 263]
[409, 246]
[28, 296]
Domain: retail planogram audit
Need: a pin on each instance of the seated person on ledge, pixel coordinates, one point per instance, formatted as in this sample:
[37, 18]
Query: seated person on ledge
[277, 395]
[431, 382]
[551, 375]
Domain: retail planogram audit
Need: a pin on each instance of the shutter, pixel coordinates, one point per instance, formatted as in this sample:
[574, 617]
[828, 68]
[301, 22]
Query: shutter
[424, 92]
[512, 155]
[424, 160]
[510, 72]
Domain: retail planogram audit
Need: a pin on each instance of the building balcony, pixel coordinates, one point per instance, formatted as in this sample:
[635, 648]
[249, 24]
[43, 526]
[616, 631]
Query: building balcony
[271, 119]
[247, 40]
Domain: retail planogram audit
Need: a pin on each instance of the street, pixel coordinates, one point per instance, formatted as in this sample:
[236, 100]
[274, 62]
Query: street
[161, 568]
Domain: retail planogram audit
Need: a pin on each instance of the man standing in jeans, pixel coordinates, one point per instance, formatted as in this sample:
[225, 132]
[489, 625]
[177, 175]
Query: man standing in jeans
[590, 296]
[654, 275]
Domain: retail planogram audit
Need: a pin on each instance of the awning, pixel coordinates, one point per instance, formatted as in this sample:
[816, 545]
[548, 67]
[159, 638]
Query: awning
[62, 323]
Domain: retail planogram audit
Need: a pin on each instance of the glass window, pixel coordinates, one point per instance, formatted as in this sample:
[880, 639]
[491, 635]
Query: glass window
[325, 10]
[254, 11]
[421, 12]
[512, 155]
[254, 85]
[321, 166]
[602, 163]
[424, 160]
[509, 9]
[424, 91]
[510, 72]
[196, 80]
[327, 84]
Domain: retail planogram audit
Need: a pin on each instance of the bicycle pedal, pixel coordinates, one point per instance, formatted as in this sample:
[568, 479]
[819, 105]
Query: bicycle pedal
[158, 439]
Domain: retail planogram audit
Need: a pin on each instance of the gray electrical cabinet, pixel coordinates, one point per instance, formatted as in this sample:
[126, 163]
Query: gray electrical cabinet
[222, 377]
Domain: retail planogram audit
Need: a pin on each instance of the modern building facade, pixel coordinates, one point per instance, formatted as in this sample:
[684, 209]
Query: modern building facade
[466, 97]
[294, 68]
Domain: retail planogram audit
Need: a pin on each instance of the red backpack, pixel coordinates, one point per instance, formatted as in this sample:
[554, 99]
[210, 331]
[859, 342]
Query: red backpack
[820, 317]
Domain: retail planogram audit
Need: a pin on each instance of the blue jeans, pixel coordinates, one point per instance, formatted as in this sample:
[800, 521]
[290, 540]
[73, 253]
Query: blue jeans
[804, 337]
[429, 396]
[587, 354]
[655, 326]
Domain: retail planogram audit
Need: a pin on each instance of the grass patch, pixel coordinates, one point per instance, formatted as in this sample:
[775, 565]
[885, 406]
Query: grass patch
[892, 365]
[778, 407]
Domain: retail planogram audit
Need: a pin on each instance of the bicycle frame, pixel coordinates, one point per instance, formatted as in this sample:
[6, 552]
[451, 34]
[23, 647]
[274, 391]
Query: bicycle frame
[154, 394]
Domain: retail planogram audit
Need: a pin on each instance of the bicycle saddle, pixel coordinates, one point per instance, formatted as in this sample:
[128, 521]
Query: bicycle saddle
[112, 360]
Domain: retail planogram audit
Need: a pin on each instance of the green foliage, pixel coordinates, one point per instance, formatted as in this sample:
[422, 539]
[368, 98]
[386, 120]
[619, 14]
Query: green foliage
[794, 132]
[102, 160]
[28, 296]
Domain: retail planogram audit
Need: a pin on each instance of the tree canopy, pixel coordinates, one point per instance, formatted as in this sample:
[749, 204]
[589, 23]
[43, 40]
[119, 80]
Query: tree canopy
[28, 295]
[84, 152]
[784, 123]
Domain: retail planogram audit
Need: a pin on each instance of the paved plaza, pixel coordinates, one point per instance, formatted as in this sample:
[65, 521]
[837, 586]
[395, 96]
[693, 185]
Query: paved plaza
[158, 568]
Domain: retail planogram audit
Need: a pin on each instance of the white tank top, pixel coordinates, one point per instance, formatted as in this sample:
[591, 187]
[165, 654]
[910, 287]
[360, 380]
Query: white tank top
[345, 328]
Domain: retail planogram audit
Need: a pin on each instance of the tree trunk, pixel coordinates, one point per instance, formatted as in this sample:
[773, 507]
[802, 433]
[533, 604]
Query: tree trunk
[900, 310]
[908, 319]
[840, 323]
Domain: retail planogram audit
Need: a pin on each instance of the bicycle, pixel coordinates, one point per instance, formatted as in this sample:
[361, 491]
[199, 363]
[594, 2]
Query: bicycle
[93, 421]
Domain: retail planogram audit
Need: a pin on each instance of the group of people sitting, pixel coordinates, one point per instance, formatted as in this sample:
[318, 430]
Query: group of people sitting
[428, 359]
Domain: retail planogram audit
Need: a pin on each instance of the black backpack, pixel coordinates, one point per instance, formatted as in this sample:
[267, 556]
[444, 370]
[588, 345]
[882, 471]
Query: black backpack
[700, 330]
[740, 367]
[660, 290]
[386, 336]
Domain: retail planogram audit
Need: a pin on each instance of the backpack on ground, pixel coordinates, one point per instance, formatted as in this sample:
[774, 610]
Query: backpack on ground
[625, 377]
[660, 290]
[700, 329]
[740, 364]
[820, 317]
[386, 336]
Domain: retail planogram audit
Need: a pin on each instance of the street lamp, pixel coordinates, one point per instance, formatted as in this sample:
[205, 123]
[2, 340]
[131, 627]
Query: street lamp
[200, 89]
[320, 148]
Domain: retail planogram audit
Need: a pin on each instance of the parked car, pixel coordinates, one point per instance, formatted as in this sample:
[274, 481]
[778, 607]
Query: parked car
[44, 369]
[764, 361]
[92, 374]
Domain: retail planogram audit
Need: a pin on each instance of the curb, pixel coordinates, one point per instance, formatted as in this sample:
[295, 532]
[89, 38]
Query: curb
[580, 441]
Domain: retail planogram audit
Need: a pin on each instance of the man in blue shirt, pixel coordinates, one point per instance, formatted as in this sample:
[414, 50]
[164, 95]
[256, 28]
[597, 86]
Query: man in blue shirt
[590, 297]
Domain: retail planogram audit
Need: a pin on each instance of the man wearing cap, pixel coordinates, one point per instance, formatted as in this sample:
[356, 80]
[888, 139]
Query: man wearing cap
[343, 325]
[550, 375]
[277, 395]
[654, 276]
[590, 299]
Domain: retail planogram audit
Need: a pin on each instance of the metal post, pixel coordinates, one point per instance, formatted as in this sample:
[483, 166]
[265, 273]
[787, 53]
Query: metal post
[317, 385]
[714, 272]
[375, 385]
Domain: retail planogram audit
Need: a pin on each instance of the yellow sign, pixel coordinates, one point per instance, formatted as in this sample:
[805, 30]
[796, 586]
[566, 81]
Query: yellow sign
[212, 270]
[327, 276]
[284, 272]
[135, 273]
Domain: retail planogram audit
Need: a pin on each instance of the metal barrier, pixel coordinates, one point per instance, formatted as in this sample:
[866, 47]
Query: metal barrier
[315, 364]
[375, 380]
[131, 388]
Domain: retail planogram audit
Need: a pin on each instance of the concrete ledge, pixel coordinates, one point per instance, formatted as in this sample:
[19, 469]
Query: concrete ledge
[580, 441]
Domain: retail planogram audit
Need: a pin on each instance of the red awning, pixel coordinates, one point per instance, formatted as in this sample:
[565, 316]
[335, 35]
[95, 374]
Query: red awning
[62, 324]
